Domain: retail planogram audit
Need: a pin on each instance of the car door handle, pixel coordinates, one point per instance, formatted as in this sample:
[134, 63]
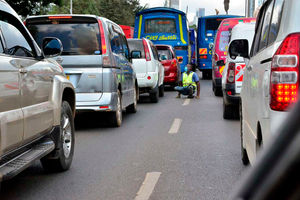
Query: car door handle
[249, 68]
[23, 71]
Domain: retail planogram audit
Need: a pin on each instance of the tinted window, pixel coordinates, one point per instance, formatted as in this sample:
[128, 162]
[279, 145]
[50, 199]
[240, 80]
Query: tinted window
[154, 51]
[165, 54]
[115, 41]
[277, 12]
[224, 40]
[16, 43]
[77, 38]
[160, 26]
[212, 24]
[137, 45]
[258, 28]
[266, 27]
[124, 46]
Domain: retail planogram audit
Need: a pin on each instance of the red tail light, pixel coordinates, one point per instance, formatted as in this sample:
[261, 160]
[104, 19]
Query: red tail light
[216, 57]
[102, 36]
[146, 49]
[203, 57]
[231, 73]
[284, 74]
[60, 17]
[194, 55]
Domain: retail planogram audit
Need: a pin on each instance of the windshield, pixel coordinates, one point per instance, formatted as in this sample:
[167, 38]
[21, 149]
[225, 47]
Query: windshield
[212, 24]
[74, 36]
[160, 26]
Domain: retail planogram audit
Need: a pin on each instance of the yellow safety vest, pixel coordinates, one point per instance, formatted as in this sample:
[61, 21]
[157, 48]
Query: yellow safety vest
[187, 80]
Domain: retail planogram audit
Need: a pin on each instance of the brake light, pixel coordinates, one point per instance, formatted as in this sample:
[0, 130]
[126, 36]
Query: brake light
[216, 57]
[231, 73]
[60, 17]
[147, 51]
[203, 57]
[102, 36]
[284, 74]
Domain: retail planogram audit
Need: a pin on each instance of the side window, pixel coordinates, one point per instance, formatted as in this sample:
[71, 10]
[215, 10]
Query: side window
[125, 46]
[258, 28]
[154, 50]
[115, 41]
[16, 43]
[276, 18]
[266, 27]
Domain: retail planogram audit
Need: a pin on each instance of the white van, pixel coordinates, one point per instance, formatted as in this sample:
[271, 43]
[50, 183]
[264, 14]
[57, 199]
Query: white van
[233, 74]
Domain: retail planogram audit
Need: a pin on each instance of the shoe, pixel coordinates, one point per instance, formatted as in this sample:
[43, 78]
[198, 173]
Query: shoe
[190, 96]
[178, 96]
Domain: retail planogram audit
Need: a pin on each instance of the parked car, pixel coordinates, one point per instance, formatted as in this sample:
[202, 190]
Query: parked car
[271, 78]
[37, 106]
[171, 65]
[96, 60]
[149, 70]
[233, 74]
[220, 48]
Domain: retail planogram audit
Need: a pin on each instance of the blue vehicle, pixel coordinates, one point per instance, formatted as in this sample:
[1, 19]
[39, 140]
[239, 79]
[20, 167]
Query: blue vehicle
[166, 26]
[207, 30]
[193, 41]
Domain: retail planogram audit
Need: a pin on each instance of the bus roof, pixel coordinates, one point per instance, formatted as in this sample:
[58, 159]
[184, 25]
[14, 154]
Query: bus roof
[219, 16]
[160, 9]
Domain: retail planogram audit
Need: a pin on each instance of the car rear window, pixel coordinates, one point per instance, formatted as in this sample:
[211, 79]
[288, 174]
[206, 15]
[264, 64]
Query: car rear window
[137, 45]
[161, 25]
[224, 40]
[77, 38]
[164, 54]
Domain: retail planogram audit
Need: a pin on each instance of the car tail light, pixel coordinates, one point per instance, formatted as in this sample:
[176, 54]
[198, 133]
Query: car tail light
[216, 57]
[147, 51]
[284, 74]
[60, 17]
[102, 36]
[149, 78]
[231, 73]
[203, 57]
[194, 55]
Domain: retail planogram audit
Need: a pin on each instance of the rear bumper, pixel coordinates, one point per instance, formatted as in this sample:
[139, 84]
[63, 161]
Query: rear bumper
[146, 83]
[234, 98]
[107, 102]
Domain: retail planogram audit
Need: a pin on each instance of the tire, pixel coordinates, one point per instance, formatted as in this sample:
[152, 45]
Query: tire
[161, 90]
[228, 111]
[65, 145]
[116, 117]
[133, 107]
[245, 158]
[154, 95]
[217, 92]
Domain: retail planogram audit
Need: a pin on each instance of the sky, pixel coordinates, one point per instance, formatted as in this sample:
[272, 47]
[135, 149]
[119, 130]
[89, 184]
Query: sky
[236, 7]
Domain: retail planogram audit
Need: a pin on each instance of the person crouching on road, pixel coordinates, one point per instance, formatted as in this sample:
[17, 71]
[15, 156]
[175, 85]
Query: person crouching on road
[189, 84]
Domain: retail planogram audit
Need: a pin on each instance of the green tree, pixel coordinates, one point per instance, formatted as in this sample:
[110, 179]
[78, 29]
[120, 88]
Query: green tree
[32, 7]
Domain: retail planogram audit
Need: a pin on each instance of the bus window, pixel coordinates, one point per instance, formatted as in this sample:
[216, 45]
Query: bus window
[160, 26]
[212, 24]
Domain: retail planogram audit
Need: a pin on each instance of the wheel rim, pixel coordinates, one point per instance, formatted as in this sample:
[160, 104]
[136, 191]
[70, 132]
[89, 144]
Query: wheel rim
[67, 135]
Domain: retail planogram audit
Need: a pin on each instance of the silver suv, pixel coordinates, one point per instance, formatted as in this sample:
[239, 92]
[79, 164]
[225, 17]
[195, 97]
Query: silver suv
[96, 60]
[37, 102]
[271, 79]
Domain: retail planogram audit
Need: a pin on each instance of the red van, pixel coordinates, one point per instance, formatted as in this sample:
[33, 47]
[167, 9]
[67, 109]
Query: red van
[219, 52]
[168, 59]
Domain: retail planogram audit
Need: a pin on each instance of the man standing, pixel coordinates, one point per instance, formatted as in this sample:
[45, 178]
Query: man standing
[190, 83]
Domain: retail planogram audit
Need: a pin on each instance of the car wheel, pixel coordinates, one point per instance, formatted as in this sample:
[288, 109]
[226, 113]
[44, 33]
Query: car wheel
[245, 158]
[217, 92]
[66, 143]
[133, 107]
[161, 90]
[154, 95]
[116, 117]
[228, 111]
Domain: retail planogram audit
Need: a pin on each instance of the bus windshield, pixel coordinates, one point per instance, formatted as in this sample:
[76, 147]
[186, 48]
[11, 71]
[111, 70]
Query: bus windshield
[212, 24]
[160, 25]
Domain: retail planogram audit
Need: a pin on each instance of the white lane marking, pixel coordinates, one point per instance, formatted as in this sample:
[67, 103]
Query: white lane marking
[148, 186]
[175, 126]
[186, 102]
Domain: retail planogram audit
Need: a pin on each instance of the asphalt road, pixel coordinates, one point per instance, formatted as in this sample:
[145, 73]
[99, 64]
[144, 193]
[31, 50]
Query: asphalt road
[197, 156]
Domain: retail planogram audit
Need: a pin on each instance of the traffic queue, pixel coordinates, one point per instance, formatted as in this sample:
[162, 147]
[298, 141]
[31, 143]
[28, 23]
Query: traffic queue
[253, 63]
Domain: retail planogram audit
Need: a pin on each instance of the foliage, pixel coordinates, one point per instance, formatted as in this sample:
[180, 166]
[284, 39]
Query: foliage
[32, 7]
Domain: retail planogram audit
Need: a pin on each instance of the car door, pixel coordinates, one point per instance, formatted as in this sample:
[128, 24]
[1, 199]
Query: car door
[11, 115]
[35, 79]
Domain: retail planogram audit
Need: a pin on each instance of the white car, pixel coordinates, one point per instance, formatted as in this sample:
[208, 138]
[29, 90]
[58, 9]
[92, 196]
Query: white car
[232, 77]
[148, 68]
[271, 78]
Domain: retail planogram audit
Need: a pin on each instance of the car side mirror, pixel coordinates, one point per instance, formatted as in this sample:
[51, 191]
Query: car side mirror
[136, 54]
[180, 59]
[52, 47]
[220, 63]
[239, 48]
